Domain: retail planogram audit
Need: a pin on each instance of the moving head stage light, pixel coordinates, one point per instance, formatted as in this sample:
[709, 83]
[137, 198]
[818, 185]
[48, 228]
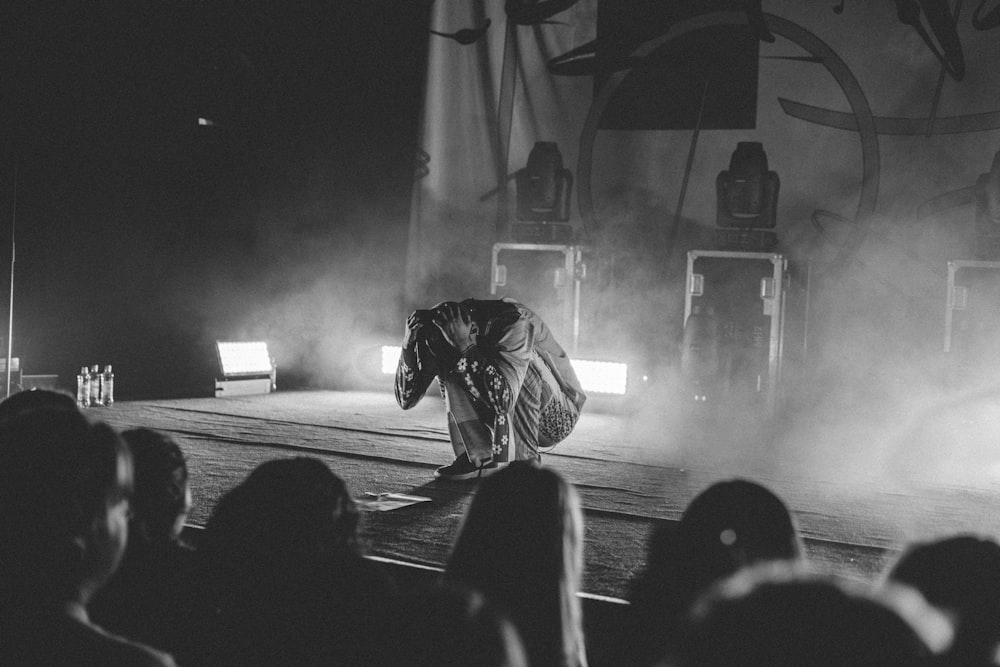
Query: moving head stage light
[543, 195]
[747, 201]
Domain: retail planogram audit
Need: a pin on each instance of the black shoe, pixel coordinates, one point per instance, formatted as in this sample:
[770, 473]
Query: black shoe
[463, 468]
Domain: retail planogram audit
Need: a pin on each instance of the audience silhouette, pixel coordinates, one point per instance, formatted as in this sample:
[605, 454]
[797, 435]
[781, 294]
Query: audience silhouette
[960, 575]
[521, 545]
[283, 573]
[279, 576]
[729, 525]
[64, 501]
[32, 399]
[149, 598]
[444, 626]
[778, 615]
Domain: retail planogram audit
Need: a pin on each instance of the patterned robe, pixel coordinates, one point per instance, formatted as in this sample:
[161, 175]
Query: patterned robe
[509, 394]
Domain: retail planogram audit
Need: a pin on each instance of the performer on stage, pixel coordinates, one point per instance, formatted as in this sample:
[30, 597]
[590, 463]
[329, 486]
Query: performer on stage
[508, 386]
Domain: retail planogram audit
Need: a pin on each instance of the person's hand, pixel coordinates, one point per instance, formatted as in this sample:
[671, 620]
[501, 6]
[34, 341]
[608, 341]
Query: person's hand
[417, 320]
[456, 325]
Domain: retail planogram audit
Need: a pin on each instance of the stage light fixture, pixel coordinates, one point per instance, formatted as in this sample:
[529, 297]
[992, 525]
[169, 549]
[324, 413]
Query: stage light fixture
[390, 357]
[246, 367]
[746, 201]
[599, 377]
[602, 377]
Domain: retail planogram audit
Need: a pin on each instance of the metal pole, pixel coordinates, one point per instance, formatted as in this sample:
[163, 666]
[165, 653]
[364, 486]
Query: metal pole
[687, 170]
[940, 83]
[505, 120]
[10, 313]
[577, 262]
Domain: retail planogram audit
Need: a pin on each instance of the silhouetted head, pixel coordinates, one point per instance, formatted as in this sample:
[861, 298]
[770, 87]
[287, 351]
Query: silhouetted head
[483, 311]
[430, 336]
[445, 625]
[779, 616]
[64, 488]
[282, 573]
[33, 399]
[480, 311]
[521, 545]
[960, 575]
[161, 498]
[288, 508]
[489, 319]
[526, 516]
[729, 525]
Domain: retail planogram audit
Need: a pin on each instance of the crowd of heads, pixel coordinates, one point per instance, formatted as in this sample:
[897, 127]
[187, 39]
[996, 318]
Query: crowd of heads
[731, 584]
[65, 491]
[94, 571]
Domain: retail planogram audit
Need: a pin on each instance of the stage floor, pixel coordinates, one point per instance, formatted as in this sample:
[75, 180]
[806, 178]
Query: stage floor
[631, 469]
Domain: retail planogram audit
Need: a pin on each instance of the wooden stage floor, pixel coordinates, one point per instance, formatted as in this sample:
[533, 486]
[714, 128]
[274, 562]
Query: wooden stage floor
[632, 470]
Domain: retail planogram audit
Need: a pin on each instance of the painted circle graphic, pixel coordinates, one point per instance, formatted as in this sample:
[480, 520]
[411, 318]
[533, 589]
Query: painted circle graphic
[805, 40]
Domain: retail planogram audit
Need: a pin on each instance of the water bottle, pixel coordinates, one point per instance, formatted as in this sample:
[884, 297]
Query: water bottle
[83, 388]
[108, 387]
[95, 385]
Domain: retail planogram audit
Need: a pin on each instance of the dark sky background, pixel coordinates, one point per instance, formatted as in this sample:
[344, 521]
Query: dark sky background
[130, 215]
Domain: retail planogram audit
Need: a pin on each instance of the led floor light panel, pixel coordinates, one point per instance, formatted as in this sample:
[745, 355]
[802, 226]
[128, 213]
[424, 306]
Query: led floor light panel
[390, 357]
[244, 359]
[246, 368]
[599, 377]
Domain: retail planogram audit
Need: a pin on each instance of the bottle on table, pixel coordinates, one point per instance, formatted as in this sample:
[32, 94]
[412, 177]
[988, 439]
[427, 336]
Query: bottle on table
[108, 387]
[83, 388]
[95, 385]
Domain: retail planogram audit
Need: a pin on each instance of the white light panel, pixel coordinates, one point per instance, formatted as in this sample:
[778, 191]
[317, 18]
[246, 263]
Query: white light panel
[244, 358]
[390, 357]
[601, 377]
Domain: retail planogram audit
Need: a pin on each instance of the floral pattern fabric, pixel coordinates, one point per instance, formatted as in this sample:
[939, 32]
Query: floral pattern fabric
[491, 375]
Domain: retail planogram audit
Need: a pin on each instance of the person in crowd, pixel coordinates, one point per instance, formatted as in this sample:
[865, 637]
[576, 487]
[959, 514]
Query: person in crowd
[65, 483]
[150, 596]
[508, 386]
[961, 576]
[780, 615]
[728, 526]
[35, 398]
[451, 626]
[282, 568]
[521, 545]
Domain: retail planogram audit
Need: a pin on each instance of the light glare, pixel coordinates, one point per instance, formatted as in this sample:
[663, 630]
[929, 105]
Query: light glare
[244, 358]
[600, 377]
[390, 355]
